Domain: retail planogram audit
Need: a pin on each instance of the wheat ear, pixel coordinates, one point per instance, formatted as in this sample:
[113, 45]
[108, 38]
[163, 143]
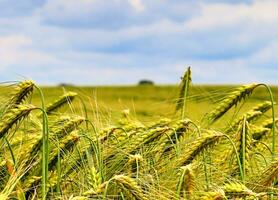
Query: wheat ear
[231, 100]
[250, 116]
[130, 187]
[196, 147]
[14, 116]
[66, 98]
[66, 144]
[95, 181]
[134, 163]
[184, 88]
[186, 183]
[237, 190]
[266, 178]
[22, 91]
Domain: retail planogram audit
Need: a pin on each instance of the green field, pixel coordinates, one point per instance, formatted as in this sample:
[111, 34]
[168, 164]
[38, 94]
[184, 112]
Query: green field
[147, 103]
[130, 142]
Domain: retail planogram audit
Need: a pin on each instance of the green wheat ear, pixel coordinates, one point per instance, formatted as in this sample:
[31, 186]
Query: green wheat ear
[66, 145]
[13, 116]
[22, 91]
[184, 89]
[237, 190]
[188, 154]
[66, 98]
[231, 100]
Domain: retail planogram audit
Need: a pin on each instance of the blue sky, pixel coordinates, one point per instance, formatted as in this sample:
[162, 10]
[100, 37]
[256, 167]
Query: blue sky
[107, 42]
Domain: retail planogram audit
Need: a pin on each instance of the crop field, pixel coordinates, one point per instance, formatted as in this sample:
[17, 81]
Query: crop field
[206, 142]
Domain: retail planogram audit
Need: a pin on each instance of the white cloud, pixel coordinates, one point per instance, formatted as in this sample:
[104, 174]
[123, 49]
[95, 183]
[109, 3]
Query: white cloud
[227, 15]
[17, 50]
[14, 41]
[222, 42]
[137, 5]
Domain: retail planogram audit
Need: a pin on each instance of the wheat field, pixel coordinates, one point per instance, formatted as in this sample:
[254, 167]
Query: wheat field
[138, 142]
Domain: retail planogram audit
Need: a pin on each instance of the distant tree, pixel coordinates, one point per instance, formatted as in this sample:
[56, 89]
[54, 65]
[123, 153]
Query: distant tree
[65, 85]
[145, 82]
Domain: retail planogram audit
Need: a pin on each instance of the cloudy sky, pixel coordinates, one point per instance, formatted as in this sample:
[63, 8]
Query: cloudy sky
[122, 41]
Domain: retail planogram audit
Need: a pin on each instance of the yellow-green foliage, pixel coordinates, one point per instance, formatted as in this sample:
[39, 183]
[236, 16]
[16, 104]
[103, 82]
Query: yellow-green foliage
[131, 143]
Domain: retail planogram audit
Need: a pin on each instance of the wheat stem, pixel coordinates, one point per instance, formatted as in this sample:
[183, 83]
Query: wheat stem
[45, 150]
[273, 120]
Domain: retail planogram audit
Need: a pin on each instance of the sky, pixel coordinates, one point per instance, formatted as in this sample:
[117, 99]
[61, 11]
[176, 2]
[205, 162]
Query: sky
[104, 42]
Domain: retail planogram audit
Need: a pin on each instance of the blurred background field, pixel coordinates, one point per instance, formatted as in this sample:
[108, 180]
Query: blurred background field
[146, 103]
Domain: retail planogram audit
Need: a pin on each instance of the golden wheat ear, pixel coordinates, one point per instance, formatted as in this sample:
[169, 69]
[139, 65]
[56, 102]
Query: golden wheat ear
[134, 163]
[237, 190]
[250, 116]
[63, 100]
[186, 183]
[231, 100]
[22, 91]
[196, 147]
[184, 89]
[14, 116]
[68, 126]
[95, 182]
[266, 178]
[66, 145]
[130, 187]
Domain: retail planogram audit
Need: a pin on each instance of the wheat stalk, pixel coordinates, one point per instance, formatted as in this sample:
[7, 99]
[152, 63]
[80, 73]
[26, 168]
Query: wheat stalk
[243, 144]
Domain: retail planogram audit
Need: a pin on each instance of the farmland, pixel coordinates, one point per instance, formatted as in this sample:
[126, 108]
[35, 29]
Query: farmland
[134, 142]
